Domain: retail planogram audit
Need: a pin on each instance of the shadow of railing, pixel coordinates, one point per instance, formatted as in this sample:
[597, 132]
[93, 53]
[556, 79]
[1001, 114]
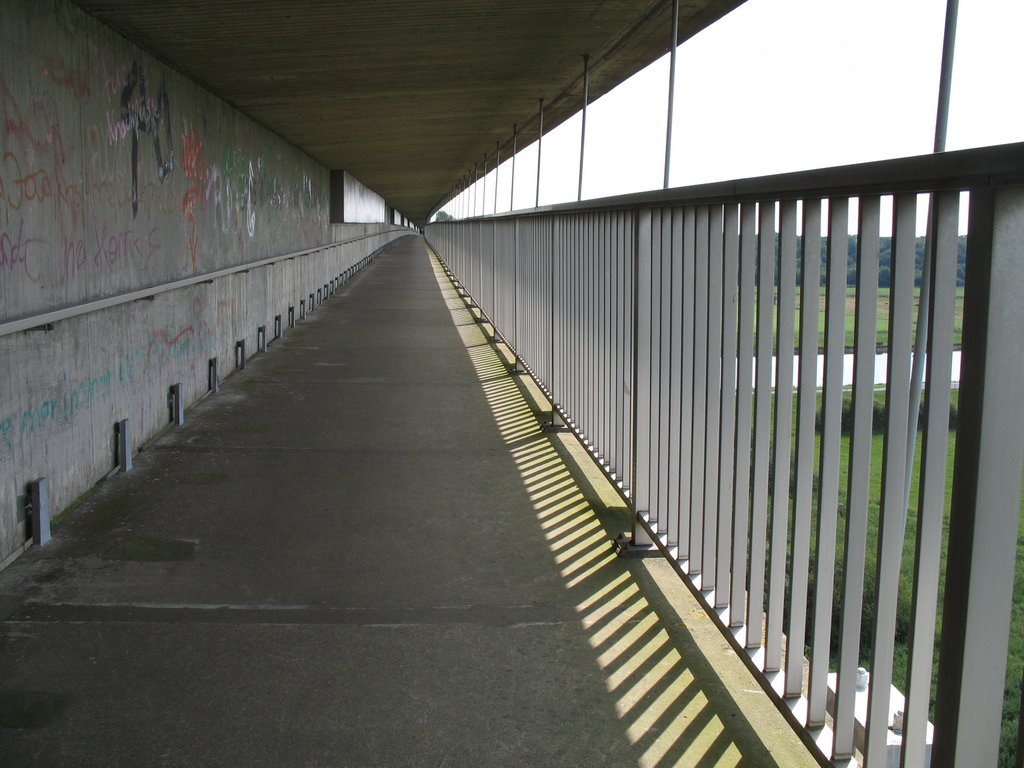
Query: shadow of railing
[670, 696]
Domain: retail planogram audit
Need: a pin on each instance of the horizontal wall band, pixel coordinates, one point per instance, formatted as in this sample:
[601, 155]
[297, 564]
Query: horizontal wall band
[46, 318]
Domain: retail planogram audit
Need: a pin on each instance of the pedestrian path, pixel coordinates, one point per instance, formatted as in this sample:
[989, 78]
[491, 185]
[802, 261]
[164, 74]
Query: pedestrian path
[362, 551]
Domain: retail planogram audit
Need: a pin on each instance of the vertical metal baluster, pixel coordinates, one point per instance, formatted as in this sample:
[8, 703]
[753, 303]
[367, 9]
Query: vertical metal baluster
[628, 241]
[859, 476]
[615, 284]
[762, 426]
[656, 508]
[713, 398]
[700, 391]
[604, 364]
[674, 246]
[744, 393]
[800, 532]
[891, 510]
[686, 406]
[642, 363]
[783, 437]
[727, 442]
[666, 427]
[931, 500]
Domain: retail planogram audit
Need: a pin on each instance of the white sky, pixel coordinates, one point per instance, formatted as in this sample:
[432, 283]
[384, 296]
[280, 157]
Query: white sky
[785, 85]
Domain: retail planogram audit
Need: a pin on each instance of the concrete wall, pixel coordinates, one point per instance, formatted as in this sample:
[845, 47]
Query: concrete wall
[117, 174]
[362, 204]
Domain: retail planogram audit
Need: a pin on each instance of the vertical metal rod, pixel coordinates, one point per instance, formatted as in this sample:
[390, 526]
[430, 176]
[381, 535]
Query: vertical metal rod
[583, 129]
[497, 165]
[483, 192]
[540, 138]
[671, 89]
[512, 184]
[476, 184]
[924, 306]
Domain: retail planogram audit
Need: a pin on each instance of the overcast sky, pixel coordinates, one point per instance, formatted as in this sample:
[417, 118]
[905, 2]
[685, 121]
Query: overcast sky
[784, 85]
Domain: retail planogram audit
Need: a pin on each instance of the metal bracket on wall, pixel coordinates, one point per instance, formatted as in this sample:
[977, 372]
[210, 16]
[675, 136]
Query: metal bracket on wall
[176, 404]
[240, 354]
[291, 317]
[39, 501]
[213, 380]
[302, 309]
[277, 327]
[261, 338]
[124, 445]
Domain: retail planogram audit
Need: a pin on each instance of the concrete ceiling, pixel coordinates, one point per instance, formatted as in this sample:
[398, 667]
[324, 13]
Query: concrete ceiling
[406, 96]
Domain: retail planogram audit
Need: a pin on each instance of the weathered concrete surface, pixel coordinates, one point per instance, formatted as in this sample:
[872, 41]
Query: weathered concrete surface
[119, 174]
[362, 551]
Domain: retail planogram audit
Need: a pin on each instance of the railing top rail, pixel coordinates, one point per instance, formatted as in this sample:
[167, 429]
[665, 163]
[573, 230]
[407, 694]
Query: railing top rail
[998, 165]
[64, 313]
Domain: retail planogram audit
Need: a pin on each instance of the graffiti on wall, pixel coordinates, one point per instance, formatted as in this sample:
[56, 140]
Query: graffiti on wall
[115, 172]
[150, 116]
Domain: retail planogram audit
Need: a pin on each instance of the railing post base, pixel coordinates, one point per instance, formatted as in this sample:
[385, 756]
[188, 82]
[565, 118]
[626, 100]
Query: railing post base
[631, 546]
[557, 423]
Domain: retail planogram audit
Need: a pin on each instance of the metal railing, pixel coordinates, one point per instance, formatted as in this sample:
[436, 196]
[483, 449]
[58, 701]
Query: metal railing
[351, 251]
[681, 335]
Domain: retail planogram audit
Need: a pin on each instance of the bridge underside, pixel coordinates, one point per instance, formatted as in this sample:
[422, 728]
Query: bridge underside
[405, 96]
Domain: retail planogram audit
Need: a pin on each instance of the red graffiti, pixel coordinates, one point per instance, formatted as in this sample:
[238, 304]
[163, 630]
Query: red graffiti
[34, 184]
[61, 74]
[195, 172]
[15, 252]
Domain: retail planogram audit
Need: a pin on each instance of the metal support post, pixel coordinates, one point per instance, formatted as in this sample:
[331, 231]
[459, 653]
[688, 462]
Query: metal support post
[261, 338]
[985, 506]
[39, 498]
[483, 191]
[277, 327]
[213, 378]
[924, 302]
[302, 309]
[291, 317]
[671, 89]
[497, 165]
[540, 138]
[583, 129]
[512, 184]
[240, 354]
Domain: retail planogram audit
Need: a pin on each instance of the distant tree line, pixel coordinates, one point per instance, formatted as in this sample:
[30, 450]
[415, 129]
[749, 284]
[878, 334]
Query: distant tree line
[885, 261]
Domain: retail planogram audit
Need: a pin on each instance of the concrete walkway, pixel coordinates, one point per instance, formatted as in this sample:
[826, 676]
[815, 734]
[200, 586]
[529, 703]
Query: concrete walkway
[361, 552]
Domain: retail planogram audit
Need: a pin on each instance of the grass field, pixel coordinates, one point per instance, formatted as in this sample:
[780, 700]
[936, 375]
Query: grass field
[1015, 660]
[882, 322]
